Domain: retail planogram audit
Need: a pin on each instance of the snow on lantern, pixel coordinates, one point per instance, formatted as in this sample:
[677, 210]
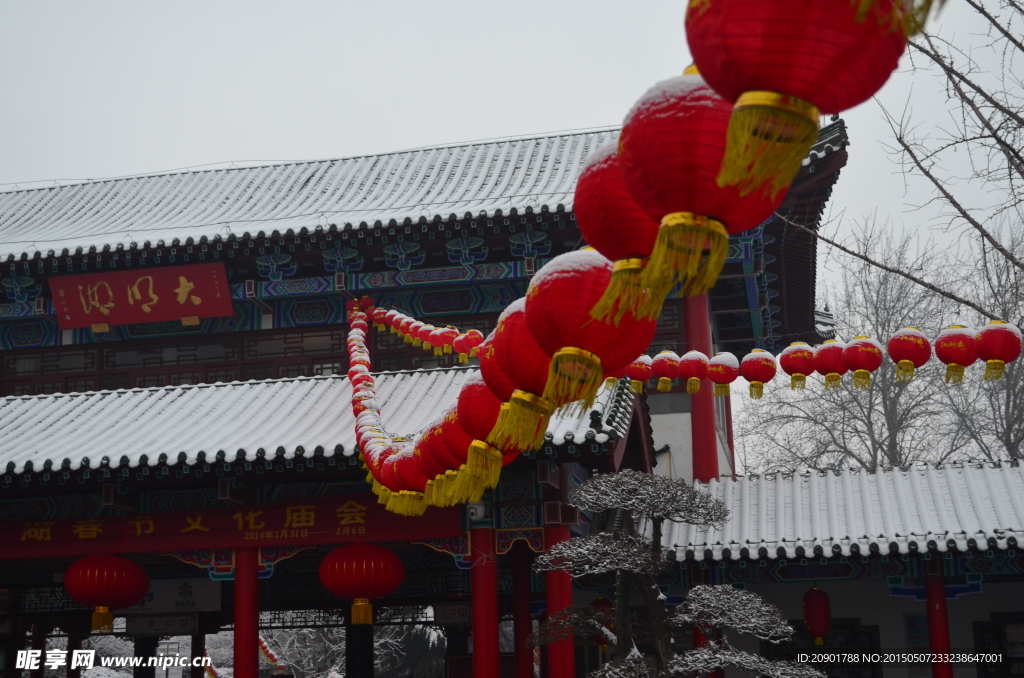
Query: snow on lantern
[863, 355]
[665, 367]
[693, 367]
[797, 360]
[639, 372]
[758, 368]
[723, 370]
[998, 343]
[361, 572]
[910, 350]
[956, 348]
[105, 582]
[829, 363]
[817, 614]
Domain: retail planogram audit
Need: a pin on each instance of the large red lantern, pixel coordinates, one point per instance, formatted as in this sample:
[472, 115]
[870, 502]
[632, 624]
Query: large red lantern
[829, 363]
[797, 360]
[639, 371]
[723, 370]
[478, 408]
[998, 343]
[817, 614]
[863, 355]
[670, 151]
[758, 368]
[491, 371]
[785, 63]
[665, 368]
[105, 583]
[614, 225]
[909, 349]
[582, 349]
[693, 367]
[361, 572]
[955, 346]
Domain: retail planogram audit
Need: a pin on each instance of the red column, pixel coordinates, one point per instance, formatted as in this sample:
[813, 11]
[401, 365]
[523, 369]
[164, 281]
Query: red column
[938, 618]
[247, 613]
[561, 655]
[697, 319]
[485, 603]
[522, 623]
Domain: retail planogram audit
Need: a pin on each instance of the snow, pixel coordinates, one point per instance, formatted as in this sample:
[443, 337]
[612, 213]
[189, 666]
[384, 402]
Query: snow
[570, 264]
[694, 355]
[669, 92]
[758, 354]
[725, 358]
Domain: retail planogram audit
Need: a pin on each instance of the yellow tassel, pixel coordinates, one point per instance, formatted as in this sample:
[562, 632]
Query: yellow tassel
[691, 249]
[384, 496]
[833, 381]
[426, 346]
[756, 390]
[362, 611]
[407, 503]
[430, 490]
[904, 371]
[523, 423]
[994, 370]
[472, 353]
[693, 385]
[447, 348]
[954, 373]
[636, 386]
[102, 620]
[769, 136]
[908, 17]
[463, 357]
[798, 382]
[408, 339]
[664, 384]
[722, 390]
[465, 487]
[414, 341]
[861, 380]
[484, 462]
[611, 383]
[574, 374]
[624, 294]
[438, 350]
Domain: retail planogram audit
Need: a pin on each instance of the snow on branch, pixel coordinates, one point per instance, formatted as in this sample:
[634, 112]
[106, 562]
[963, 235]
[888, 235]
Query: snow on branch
[713, 607]
[575, 621]
[634, 666]
[597, 554]
[706, 659]
[650, 496]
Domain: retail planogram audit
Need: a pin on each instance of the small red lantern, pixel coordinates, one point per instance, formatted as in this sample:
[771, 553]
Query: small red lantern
[423, 334]
[955, 346]
[758, 368]
[478, 408]
[473, 339]
[614, 225]
[602, 604]
[106, 582]
[909, 349]
[665, 367]
[361, 572]
[377, 315]
[863, 355]
[525, 421]
[693, 367]
[459, 347]
[389, 319]
[829, 363]
[998, 343]
[723, 370]
[817, 614]
[639, 371]
[797, 360]
[492, 373]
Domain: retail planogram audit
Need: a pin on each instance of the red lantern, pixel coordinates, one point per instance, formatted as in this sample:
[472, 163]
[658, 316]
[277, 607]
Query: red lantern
[365, 302]
[614, 225]
[797, 360]
[361, 572]
[473, 339]
[602, 604]
[956, 348]
[723, 370]
[693, 367]
[490, 370]
[105, 583]
[423, 334]
[378, 315]
[665, 366]
[441, 339]
[817, 614]
[909, 349]
[670, 151]
[998, 343]
[459, 347]
[478, 408]
[389, 319]
[785, 63]
[829, 363]
[582, 349]
[639, 371]
[863, 355]
[758, 367]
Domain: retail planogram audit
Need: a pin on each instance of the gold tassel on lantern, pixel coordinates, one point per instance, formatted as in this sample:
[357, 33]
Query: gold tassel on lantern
[484, 462]
[472, 354]
[636, 386]
[362, 611]
[610, 383]
[102, 620]
[693, 385]
[798, 382]
[438, 350]
[994, 370]
[523, 423]
[769, 136]
[625, 293]
[384, 496]
[905, 371]
[426, 346]
[407, 503]
[908, 17]
[415, 341]
[955, 373]
[756, 390]
[463, 357]
[833, 381]
[691, 249]
[574, 374]
[722, 390]
[861, 380]
[664, 385]
[465, 486]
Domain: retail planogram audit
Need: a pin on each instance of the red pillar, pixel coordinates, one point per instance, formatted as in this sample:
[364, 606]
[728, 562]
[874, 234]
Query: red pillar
[697, 319]
[938, 618]
[522, 623]
[561, 655]
[485, 603]
[247, 613]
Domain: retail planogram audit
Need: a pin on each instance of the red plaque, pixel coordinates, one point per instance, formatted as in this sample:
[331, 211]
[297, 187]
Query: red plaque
[142, 296]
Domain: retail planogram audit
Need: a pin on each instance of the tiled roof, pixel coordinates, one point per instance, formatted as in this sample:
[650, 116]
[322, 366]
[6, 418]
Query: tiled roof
[979, 505]
[459, 179]
[175, 424]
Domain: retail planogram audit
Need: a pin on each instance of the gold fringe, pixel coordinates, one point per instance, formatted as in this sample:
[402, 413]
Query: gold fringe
[954, 373]
[430, 490]
[625, 293]
[472, 354]
[994, 370]
[362, 611]
[447, 348]
[756, 390]
[798, 382]
[833, 381]
[769, 136]
[102, 620]
[438, 350]
[610, 383]
[693, 385]
[464, 487]
[463, 357]
[415, 341]
[523, 423]
[636, 386]
[861, 380]
[664, 385]
[426, 346]
[722, 390]
[574, 374]
[484, 462]
[406, 503]
[384, 496]
[904, 371]
[679, 255]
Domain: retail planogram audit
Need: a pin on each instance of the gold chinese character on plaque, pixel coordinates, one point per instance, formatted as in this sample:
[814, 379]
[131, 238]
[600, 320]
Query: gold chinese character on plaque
[90, 298]
[38, 531]
[145, 283]
[195, 524]
[300, 516]
[88, 529]
[351, 513]
[184, 291]
[248, 521]
[143, 525]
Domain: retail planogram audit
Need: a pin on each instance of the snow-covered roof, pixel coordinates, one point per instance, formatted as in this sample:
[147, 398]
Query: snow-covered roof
[151, 426]
[979, 505]
[458, 179]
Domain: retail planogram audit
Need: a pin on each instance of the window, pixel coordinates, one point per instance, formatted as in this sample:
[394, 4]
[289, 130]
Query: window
[661, 344]
[17, 389]
[669, 318]
[667, 403]
[48, 387]
[183, 378]
[388, 362]
[254, 371]
[292, 370]
[328, 368]
[385, 341]
[427, 362]
[79, 385]
[112, 382]
[149, 381]
[224, 376]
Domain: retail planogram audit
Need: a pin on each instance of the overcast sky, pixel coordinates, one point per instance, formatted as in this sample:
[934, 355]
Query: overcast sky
[100, 89]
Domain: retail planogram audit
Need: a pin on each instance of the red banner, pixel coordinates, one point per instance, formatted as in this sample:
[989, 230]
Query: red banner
[335, 520]
[142, 296]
